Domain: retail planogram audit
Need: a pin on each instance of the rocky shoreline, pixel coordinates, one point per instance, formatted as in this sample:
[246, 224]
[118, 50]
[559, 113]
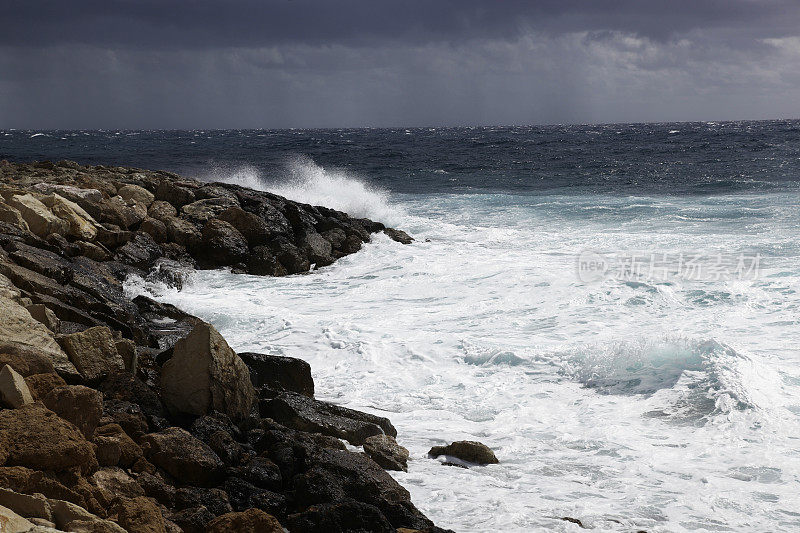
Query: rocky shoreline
[131, 415]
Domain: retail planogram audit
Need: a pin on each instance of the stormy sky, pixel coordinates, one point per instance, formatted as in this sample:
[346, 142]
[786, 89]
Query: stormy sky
[348, 63]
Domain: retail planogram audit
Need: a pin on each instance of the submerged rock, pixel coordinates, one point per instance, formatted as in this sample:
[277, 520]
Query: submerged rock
[466, 450]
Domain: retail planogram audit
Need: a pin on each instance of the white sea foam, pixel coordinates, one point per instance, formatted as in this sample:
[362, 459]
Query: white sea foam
[656, 406]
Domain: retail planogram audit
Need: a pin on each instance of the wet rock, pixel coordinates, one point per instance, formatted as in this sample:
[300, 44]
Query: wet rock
[215, 500]
[254, 228]
[341, 516]
[262, 262]
[174, 194]
[244, 495]
[161, 210]
[193, 519]
[93, 352]
[204, 374]
[385, 451]
[184, 457]
[279, 373]
[39, 439]
[155, 228]
[318, 249]
[13, 389]
[223, 244]
[466, 450]
[261, 472]
[77, 404]
[249, 521]
[306, 414]
[289, 256]
[43, 262]
[141, 251]
[398, 235]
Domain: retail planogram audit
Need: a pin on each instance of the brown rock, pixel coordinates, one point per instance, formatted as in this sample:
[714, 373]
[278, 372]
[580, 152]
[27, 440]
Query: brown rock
[43, 314]
[222, 244]
[26, 361]
[13, 389]
[79, 223]
[161, 210]
[114, 482]
[204, 210]
[183, 456]
[156, 229]
[139, 515]
[174, 194]
[41, 384]
[39, 439]
[115, 447]
[11, 522]
[249, 521]
[466, 450]
[133, 194]
[252, 227]
[77, 404]
[203, 374]
[183, 232]
[93, 352]
[13, 216]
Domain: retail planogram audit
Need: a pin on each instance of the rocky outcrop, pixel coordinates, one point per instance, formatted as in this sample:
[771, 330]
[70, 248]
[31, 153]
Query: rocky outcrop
[119, 414]
[466, 450]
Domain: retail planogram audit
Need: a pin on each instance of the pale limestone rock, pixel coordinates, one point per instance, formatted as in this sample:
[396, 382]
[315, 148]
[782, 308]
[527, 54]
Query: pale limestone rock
[93, 352]
[134, 194]
[11, 522]
[13, 389]
[41, 220]
[12, 216]
[44, 315]
[80, 224]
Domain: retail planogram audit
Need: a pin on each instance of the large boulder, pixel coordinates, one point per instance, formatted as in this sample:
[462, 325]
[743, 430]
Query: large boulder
[77, 404]
[115, 447]
[174, 194]
[318, 249]
[14, 391]
[183, 232]
[184, 457]
[222, 244]
[12, 216]
[17, 326]
[348, 515]
[307, 414]
[254, 228]
[40, 439]
[133, 194]
[138, 515]
[93, 352]
[79, 223]
[279, 373]
[141, 251]
[39, 218]
[204, 210]
[204, 373]
[161, 210]
[11, 522]
[250, 521]
[466, 450]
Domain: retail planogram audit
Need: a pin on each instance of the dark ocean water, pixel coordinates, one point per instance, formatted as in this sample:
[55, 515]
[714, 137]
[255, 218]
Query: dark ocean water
[664, 158]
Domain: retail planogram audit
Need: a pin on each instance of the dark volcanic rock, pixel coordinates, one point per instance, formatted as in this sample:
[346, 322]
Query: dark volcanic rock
[279, 373]
[306, 414]
[348, 515]
[222, 244]
[385, 451]
[466, 450]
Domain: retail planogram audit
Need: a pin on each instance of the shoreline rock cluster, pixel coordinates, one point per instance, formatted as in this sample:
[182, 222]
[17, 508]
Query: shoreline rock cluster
[131, 415]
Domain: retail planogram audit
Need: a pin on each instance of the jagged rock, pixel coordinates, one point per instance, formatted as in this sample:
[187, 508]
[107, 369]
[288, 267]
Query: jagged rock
[261, 472]
[155, 487]
[43, 262]
[79, 223]
[39, 439]
[204, 374]
[174, 194]
[250, 521]
[215, 500]
[139, 515]
[184, 457]
[93, 251]
[347, 515]
[385, 451]
[279, 373]
[290, 256]
[115, 447]
[204, 210]
[254, 228]
[114, 482]
[41, 384]
[13, 389]
[93, 352]
[126, 349]
[116, 211]
[222, 243]
[466, 450]
[40, 220]
[86, 198]
[29, 506]
[13, 216]
[306, 414]
[244, 495]
[112, 236]
[133, 194]
[398, 235]
[335, 236]
[71, 517]
[161, 210]
[42, 314]
[77, 404]
[262, 262]
[19, 327]
[141, 251]
[341, 476]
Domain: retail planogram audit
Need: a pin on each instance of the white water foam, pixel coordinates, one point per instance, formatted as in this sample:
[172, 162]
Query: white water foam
[629, 406]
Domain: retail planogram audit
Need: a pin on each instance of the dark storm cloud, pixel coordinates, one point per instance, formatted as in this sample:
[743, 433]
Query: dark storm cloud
[307, 63]
[204, 23]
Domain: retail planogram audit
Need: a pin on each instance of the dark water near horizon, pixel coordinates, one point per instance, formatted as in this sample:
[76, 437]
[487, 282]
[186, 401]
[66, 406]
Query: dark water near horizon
[663, 158]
